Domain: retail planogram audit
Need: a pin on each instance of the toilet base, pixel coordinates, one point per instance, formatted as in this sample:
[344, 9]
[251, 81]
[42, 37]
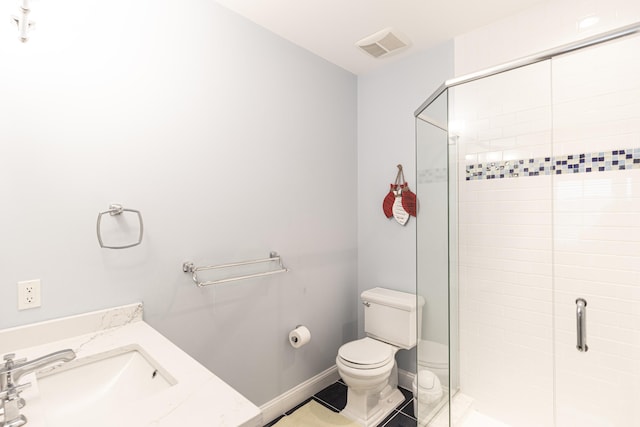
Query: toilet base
[389, 400]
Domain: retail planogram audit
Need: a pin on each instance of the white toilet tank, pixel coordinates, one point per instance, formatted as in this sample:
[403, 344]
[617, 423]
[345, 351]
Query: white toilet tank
[392, 316]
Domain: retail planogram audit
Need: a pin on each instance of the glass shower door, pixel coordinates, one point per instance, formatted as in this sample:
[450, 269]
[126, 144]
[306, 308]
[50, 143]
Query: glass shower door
[543, 242]
[596, 199]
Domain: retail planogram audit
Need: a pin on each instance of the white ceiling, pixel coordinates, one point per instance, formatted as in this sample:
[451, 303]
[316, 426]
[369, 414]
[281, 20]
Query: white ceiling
[330, 28]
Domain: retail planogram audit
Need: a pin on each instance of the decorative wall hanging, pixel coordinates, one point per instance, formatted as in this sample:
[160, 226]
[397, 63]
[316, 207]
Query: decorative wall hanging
[400, 202]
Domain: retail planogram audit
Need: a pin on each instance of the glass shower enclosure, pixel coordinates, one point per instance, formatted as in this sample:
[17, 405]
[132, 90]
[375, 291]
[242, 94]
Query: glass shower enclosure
[436, 254]
[528, 241]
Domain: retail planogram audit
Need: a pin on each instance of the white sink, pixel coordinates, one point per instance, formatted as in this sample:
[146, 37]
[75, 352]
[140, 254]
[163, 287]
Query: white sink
[96, 386]
[126, 374]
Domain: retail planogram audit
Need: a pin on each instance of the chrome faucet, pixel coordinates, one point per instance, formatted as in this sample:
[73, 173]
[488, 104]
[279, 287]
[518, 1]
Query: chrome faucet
[10, 375]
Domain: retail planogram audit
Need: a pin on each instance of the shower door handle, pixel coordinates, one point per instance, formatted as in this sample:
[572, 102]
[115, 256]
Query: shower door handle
[581, 324]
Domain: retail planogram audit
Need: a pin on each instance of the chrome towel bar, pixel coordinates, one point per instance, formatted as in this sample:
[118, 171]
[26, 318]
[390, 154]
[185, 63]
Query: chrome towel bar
[189, 267]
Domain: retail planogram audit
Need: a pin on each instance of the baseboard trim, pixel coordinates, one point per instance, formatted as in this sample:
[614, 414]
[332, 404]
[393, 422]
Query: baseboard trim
[278, 406]
[405, 379]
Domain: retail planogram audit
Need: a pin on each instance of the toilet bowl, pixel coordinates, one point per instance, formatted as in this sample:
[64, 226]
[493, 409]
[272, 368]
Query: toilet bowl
[368, 365]
[368, 368]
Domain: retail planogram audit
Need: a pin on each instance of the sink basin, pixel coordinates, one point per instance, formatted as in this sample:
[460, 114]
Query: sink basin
[126, 374]
[92, 387]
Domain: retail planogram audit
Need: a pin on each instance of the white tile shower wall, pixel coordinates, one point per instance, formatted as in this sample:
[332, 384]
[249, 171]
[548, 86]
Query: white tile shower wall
[597, 257]
[500, 118]
[506, 346]
[505, 299]
[596, 99]
[596, 104]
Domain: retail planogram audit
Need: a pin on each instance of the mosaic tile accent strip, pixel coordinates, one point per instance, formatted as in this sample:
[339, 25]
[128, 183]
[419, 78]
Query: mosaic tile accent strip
[628, 158]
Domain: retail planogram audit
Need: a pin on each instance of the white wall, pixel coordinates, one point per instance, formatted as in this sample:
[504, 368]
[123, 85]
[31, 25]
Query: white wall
[387, 99]
[231, 142]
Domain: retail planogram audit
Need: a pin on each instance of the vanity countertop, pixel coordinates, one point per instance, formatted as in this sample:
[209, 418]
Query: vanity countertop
[198, 397]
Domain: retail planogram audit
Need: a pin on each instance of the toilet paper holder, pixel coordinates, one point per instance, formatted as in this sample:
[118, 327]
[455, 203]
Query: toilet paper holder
[299, 336]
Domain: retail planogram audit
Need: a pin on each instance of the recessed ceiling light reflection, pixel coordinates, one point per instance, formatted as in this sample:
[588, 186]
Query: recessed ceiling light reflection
[587, 22]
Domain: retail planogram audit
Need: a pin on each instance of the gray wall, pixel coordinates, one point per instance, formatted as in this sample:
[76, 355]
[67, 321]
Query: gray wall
[231, 142]
[387, 99]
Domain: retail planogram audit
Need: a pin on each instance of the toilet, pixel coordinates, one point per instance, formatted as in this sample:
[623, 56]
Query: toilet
[368, 365]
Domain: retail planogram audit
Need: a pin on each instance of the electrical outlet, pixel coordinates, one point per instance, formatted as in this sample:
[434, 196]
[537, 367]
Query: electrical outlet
[29, 294]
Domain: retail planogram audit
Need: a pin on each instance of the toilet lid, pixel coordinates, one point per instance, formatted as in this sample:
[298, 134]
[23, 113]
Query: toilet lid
[367, 353]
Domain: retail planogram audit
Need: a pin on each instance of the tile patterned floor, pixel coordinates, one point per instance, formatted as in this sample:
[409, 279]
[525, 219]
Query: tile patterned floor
[334, 397]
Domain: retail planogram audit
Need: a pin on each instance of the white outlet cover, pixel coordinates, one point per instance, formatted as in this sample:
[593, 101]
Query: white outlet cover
[29, 294]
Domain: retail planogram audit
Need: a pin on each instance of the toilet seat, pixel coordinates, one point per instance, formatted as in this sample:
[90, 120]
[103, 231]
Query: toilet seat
[366, 353]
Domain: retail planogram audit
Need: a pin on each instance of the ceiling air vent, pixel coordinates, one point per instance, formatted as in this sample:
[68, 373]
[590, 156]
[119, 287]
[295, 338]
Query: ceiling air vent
[382, 43]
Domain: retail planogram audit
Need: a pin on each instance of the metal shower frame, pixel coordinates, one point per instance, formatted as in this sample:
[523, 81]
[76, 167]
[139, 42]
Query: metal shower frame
[532, 59]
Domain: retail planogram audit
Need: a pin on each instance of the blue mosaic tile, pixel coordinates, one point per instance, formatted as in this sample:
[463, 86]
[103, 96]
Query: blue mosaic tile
[622, 159]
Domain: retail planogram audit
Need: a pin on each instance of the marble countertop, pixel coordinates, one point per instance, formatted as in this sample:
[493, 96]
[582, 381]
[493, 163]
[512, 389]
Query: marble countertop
[198, 397]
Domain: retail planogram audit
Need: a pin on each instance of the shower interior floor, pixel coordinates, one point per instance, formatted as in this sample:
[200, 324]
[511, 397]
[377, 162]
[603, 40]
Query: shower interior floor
[462, 415]
[476, 419]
